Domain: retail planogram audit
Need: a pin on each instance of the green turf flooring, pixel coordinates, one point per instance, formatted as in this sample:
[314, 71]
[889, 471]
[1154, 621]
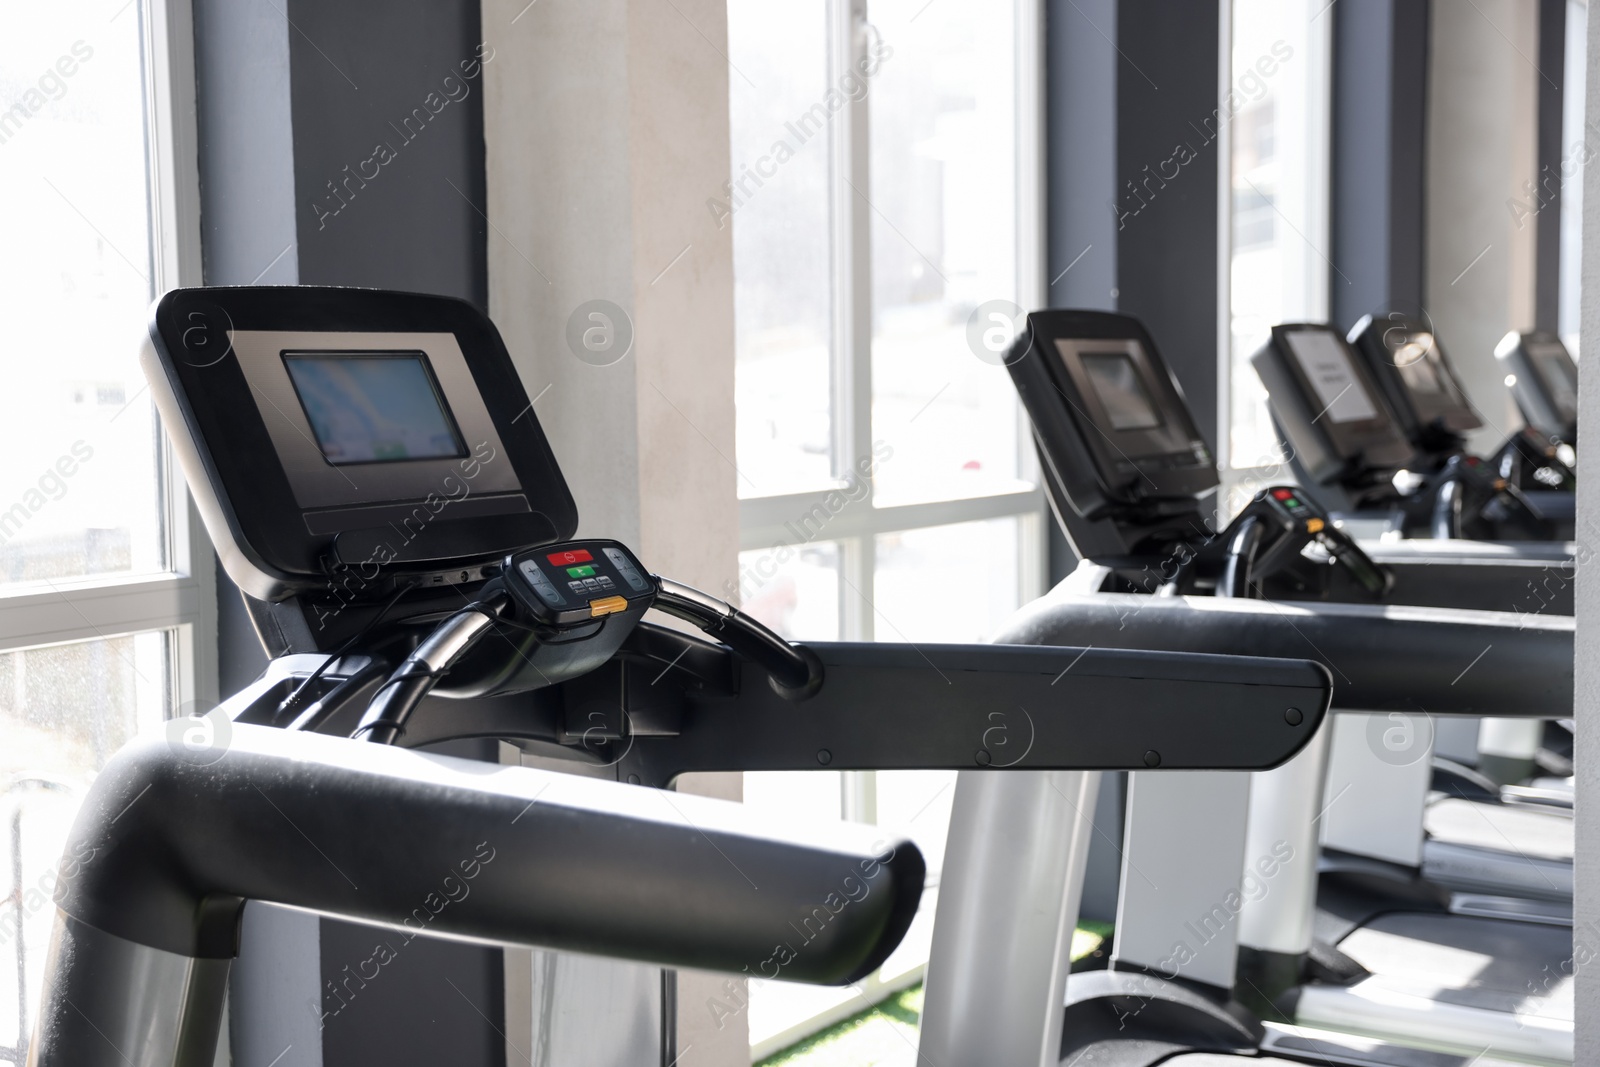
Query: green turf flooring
[886, 1035]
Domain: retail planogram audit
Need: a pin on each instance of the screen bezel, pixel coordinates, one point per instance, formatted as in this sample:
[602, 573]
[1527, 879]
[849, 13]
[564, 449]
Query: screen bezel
[1450, 405]
[319, 484]
[1351, 440]
[1174, 435]
[274, 547]
[1315, 396]
[1554, 352]
[414, 355]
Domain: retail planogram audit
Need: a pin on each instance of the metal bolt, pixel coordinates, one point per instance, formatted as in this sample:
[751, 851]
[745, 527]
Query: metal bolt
[824, 757]
[1152, 758]
[1294, 717]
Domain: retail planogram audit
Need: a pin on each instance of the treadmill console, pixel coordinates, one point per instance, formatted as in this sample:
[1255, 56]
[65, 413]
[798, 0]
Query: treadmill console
[1118, 445]
[1544, 380]
[1329, 408]
[578, 581]
[1410, 366]
[352, 438]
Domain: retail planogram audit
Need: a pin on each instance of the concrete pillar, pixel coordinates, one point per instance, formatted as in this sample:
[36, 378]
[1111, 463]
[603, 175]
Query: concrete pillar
[1482, 149]
[606, 133]
[1586, 687]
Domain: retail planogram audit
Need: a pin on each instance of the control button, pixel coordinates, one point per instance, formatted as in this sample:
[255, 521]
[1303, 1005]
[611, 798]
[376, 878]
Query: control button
[1282, 494]
[591, 584]
[541, 585]
[585, 571]
[576, 555]
[576, 587]
[625, 567]
[607, 583]
[1314, 525]
[607, 606]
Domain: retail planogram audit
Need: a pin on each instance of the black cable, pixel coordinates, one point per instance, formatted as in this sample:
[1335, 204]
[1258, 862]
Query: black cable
[289, 702]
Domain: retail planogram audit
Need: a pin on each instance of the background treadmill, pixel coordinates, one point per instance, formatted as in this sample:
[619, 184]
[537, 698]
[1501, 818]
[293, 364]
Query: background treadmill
[1341, 430]
[1544, 380]
[1126, 472]
[1410, 365]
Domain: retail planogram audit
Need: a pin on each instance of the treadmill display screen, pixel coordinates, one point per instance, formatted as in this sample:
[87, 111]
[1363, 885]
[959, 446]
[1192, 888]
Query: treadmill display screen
[1323, 361]
[1552, 361]
[1417, 360]
[373, 407]
[1116, 382]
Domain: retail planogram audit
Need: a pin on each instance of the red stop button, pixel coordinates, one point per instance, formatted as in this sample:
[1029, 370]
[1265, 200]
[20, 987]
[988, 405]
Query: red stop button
[577, 555]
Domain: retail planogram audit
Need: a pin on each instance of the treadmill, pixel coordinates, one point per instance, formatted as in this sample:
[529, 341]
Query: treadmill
[1204, 958]
[1376, 423]
[1410, 365]
[1481, 836]
[1543, 378]
[1344, 413]
[376, 483]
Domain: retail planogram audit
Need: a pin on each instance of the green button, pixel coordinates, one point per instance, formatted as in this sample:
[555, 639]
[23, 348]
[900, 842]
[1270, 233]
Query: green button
[586, 571]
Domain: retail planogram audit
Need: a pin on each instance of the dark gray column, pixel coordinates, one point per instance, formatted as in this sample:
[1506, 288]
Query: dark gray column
[1133, 224]
[1081, 152]
[387, 102]
[1380, 81]
[1166, 207]
[292, 99]
[1081, 161]
[1552, 89]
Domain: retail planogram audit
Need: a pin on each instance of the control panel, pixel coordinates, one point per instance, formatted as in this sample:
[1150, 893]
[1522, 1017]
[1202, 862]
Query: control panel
[578, 581]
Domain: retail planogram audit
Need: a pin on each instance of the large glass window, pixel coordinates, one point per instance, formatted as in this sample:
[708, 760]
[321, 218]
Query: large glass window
[1278, 233]
[884, 215]
[105, 581]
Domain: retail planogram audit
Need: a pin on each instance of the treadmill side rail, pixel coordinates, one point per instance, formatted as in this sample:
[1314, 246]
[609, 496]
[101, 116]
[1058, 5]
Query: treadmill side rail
[976, 707]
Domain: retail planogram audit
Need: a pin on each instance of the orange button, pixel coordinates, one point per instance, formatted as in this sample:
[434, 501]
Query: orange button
[607, 606]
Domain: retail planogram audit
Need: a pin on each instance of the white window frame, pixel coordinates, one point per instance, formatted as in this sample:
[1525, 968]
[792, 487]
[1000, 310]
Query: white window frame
[183, 599]
[766, 521]
[763, 521]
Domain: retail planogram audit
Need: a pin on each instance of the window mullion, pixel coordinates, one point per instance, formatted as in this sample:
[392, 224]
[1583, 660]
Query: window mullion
[851, 246]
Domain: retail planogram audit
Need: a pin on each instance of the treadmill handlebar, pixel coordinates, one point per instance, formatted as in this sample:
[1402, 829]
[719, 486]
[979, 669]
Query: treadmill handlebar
[171, 842]
[794, 671]
[1382, 657]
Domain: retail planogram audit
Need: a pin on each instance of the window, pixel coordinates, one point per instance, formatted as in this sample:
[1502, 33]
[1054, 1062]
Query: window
[1278, 224]
[106, 581]
[887, 231]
